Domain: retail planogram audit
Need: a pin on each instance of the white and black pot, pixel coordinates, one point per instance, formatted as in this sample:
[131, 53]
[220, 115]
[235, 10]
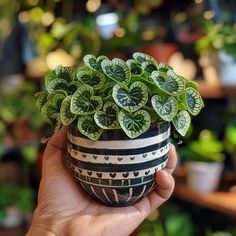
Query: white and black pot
[116, 170]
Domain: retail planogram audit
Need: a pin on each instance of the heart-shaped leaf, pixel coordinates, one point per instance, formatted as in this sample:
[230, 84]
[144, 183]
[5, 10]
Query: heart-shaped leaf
[134, 124]
[41, 99]
[142, 57]
[117, 70]
[94, 63]
[163, 67]
[149, 66]
[84, 103]
[73, 86]
[165, 108]
[65, 73]
[191, 84]
[182, 122]
[135, 68]
[93, 78]
[130, 99]
[57, 100]
[89, 128]
[66, 116]
[106, 90]
[56, 122]
[107, 119]
[48, 110]
[51, 95]
[193, 101]
[168, 82]
[49, 77]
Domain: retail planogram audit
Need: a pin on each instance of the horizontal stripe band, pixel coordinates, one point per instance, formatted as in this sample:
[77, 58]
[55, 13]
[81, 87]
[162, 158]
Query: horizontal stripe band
[116, 144]
[111, 159]
[101, 167]
[118, 175]
[119, 134]
[121, 152]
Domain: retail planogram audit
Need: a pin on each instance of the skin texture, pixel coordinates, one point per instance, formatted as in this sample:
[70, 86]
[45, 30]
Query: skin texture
[64, 209]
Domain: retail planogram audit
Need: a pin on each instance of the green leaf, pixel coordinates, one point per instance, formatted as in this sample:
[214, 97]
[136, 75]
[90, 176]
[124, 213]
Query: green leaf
[106, 90]
[91, 78]
[135, 68]
[48, 110]
[149, 66]
[57, 84]
[84, 103]
[163, 67]
[59, 91]
[191, 84]
[41, 99]
[94, 63]
[142, 57]
[72, 87]
[116, 70]
[107, 119]
[49, 77]
[130, 99]
[168, 82]
[182, 122]
[66, 116]
[193, 101]
[57, 100]
[134, 124]
[65, 73]
[89, 128]
[165, 108]
[56, 122]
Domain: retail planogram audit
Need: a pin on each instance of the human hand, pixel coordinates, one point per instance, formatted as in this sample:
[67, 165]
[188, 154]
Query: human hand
[64, 209]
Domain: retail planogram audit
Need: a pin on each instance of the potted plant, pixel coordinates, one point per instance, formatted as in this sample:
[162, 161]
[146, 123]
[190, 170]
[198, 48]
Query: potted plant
[118, 116]
[221, 38]
[204, 162]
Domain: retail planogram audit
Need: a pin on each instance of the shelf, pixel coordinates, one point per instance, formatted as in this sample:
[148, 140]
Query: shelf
[222, 201]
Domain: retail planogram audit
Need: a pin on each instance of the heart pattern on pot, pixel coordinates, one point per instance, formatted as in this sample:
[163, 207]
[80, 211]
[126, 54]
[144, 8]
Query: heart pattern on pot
[94, 79]
[130, 99]
[84, 103]
[66, 116]
[107, 119]
[94, 63]
[135, 123]
[89, 128]
[117, 70]
[182, 122]
[165, 108]
[171, 84]
[193, 101]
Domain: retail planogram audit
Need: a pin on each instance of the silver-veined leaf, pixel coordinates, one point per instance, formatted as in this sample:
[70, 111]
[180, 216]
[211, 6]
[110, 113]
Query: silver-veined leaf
[182, 122]
[108, 118]
[65, 73]
[66, 116]
[142, 57]
[135, 68]
[130, 99]
[40, 99]
[134, 124]
[94, 63]
[57, 84]
[106, 90]
[149, 66]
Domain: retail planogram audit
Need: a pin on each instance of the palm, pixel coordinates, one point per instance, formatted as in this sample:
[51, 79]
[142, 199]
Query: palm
[61, 199]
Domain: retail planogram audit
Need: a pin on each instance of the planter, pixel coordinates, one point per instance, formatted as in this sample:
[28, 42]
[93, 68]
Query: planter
[227, 69]
[116, 170]
[203, 177]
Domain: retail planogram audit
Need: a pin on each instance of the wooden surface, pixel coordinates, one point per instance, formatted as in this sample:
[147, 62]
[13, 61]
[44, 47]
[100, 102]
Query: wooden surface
[223, 201]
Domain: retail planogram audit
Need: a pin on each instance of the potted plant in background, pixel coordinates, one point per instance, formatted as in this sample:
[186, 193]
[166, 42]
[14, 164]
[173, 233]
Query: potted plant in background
[204, 162]
[221, 38]
[119, 115]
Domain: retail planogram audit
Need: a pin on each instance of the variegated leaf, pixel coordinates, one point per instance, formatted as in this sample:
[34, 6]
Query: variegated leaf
[116, 70]
[49, 77]
[149, 66]
[142, 57]
[106, 90]
[57, 100]
[94, 79]
[52, 94]
[84, 103]
[108, 118]
[134, 124]
[65, 73]
[48, 110]
[66, 116]
[163, 67]
[89, 128]
[193, 101]
[182, 122]
[41, 99]
[165, 108]
[135, 68]
[168, 82]
[94, 63]
[57, 84]
[130, 99]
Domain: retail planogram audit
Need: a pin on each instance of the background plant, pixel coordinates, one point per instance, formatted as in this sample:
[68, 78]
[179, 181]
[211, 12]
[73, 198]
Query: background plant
[114, 94]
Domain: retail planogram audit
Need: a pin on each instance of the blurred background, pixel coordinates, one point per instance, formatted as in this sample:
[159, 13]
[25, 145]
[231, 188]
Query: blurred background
[196, 37]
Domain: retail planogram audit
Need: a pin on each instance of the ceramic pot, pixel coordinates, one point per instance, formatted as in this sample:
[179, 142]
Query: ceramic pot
[203, 177]
[116, 170]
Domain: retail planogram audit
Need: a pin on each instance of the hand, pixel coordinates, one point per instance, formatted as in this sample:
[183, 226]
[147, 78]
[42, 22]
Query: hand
[64, 209]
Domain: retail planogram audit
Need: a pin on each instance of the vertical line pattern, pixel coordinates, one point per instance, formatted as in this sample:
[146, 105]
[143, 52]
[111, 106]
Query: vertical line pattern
[141, 194]
[104, 192]
[95, 193]
[130, 194]
[116, 195]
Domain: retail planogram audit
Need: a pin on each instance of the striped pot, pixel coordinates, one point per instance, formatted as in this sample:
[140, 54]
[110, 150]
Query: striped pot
[116, 170]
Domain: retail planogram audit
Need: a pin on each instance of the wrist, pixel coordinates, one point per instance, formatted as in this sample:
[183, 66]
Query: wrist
[39, 231]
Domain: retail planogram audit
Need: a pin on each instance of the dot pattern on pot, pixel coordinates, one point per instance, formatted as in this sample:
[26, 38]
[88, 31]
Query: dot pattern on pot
[116, 170]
